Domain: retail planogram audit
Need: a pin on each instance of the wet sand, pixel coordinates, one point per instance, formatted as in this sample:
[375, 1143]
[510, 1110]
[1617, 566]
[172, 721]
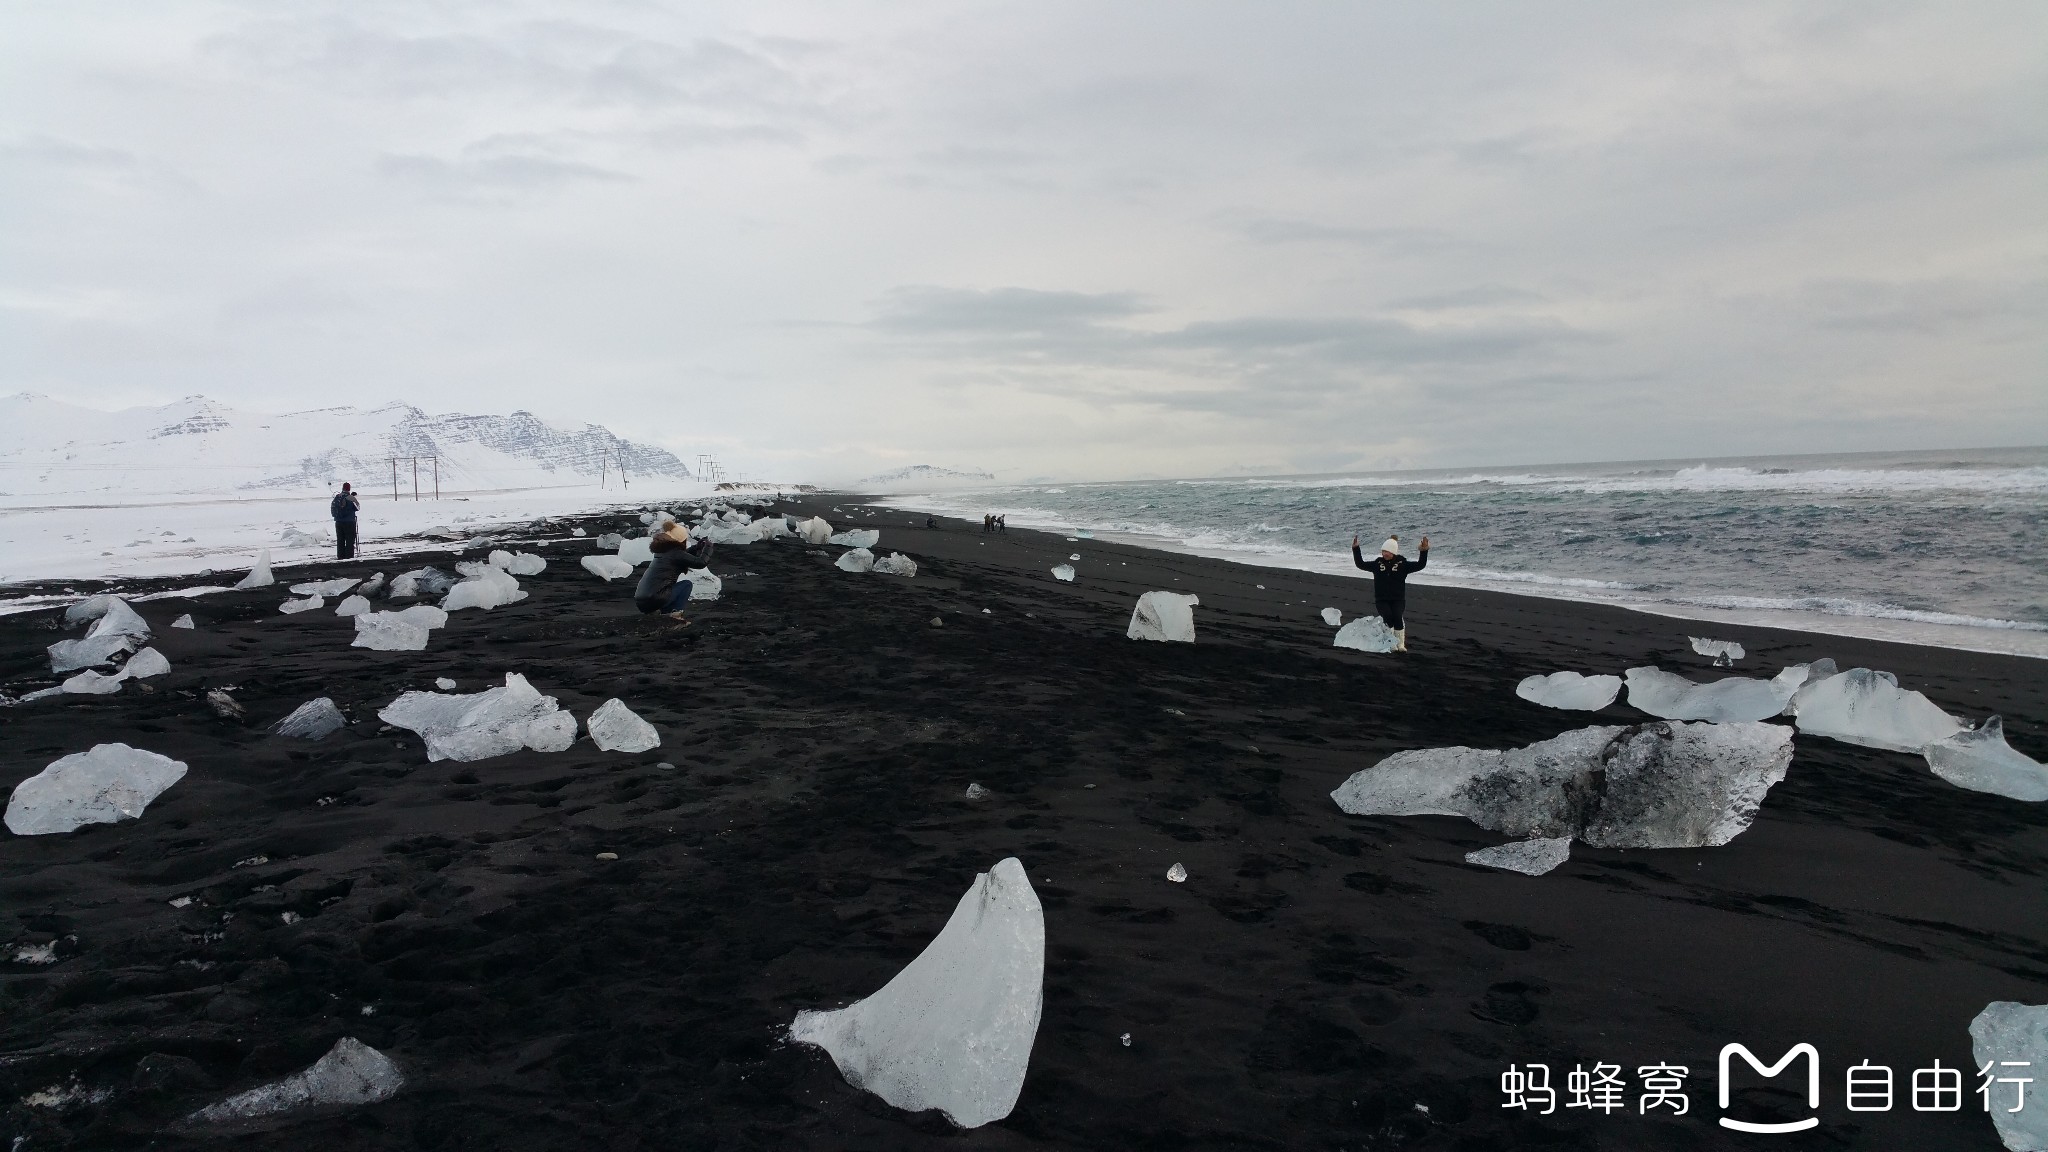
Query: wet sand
[1320, 981]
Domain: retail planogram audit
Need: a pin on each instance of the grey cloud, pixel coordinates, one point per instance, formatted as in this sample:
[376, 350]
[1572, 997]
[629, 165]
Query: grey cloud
[1392, 241]
[1004, 313]
[1477, 296]
[496, 173]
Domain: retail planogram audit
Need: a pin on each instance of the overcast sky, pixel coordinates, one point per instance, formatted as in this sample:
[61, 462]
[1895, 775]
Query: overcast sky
[1074, 240]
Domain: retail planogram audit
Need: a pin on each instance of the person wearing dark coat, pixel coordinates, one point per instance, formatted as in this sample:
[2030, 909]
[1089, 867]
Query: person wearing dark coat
[662, 588]
[343, 508]
[1390, 583]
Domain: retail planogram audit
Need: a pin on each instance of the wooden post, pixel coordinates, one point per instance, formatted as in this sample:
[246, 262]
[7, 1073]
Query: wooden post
[437, 477]
[415, 479]
[394, 477]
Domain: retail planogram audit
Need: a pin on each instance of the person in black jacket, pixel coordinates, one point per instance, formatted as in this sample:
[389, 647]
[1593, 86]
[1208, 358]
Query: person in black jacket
[1390, 583]
[343, 507]
[663, 589]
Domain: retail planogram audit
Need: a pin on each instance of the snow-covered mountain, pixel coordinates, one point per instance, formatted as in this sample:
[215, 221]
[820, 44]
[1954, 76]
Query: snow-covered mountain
[196, 446]
[921, 476]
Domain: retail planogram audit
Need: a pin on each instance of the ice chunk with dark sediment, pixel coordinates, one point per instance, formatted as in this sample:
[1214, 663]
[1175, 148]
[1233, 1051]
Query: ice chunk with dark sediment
[91, 683]
[110, 783]
[1979, 759]
[1366, 634]
[1168, 616]
[1733, 699]
[71, 655]
[351, 1074]
[144, 664]
[2012, 1039]
[896, 564]
[1657, 785]
[814, 531]
[184, 621]
[1063, 573]
[1869, 708]
[491, 588]
[1529, 857]
[855, 560]
[1724, 652]
[333, 587]
[478, 725]
[259, 574]
[425, 582]
[856, 538]
[954, 1029]
[615, 728]
[606, 567]
[1333, 617]
[314, 720]
[293, 607]
[352, 606]
[1570, 690]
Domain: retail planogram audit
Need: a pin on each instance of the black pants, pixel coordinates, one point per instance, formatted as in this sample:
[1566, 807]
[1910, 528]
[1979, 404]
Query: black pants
[344, 539]
[1391, 611]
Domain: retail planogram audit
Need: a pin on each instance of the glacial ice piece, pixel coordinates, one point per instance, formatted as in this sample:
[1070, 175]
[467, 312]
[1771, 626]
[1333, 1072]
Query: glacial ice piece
[1570, 690]
[1164, 616]
[896, 564]
[314, 720]
[373, 585]
[444, 684]
[389, 632]
[1724, 652]
[705, 584]
[422, 615]
[1333, 617]
[91, 683]
[479, 725]
[352, 1073]
[2008, 1031]
[184, 621]
[615, 728]
[976, 791]
[333, 587]
[637, 551]
[610, 541]
[522, 564]
[1063, 573]
[578, 531]
[1178, 873]
[144, 664]
[1367, 634]
[1657, 785]
[1979, 759]
[856, 538]
[294, 607]
[71, 655]
[293, 537]
[1529, 857]
[855, 560]
[425, 582]
[953, 1030]
[772, 528]
[88, 610]
[606, 567]
[118, 620]
[500, 559]
[1732, 699]
[352, 606]
[1869, 708]
[110, 783]
[814, 531]
[1083, 534]
[720, 532]
[259, 574]
[491, 588]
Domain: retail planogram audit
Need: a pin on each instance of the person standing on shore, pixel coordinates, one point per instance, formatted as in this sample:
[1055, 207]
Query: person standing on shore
[1390, 583]
[343, 508]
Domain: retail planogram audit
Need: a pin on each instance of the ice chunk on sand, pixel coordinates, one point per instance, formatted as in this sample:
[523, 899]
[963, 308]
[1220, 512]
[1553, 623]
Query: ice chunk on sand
[578, 532]
[1063, 572]
[1529, 857]
[2008, 1031]
[522, 564]
[636, 551]
[719, 532]
[1724, 652]
[1164, 616]
[444, 684]
[609, 542]
[1178, 873]
[184, 621]
[772, 528]
[1333, 617]
[1367, 634]
[814, 531]
[90, 683]
[144, 664]
[1570, 690]
[856, 538]
[71, 655]
[483, 724]
[954, 1029]
[373, 585]
[352, 1073]
[259, 575]
[855, 560]
[1979, 759]
[1657, 785]
[390, 632]
[606, 567]
[615, 728]
[1869, 708]
[490, 588]
[1732, 699]
[293, 607]
[326, 587]
[428, 581]
[118, 620]
[110, 783]
[705, 584]
[352, 606]
[88, 610]
[896, 564]
[313, 720]
[976, 791]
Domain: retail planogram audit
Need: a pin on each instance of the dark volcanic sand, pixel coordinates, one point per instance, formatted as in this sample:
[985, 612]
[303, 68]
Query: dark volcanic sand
[1318, 982]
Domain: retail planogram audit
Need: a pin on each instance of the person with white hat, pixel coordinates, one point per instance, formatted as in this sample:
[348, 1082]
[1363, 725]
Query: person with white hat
[1390, 583]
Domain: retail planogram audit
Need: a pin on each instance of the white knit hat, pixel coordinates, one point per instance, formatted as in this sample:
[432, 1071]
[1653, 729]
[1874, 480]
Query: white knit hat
[1393, 545]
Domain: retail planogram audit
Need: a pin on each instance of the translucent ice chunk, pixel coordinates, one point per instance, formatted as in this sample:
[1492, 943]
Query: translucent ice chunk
[1168, 616]
[1570, 690]
[637, 551]
[523, 564]
[444, 684]
[90, 683]
[259, 574]
[428, 581]
[1367, 634]
[333, 587]
[314, 720]
[373, 585]
[352, 1073]
[490, 588]
[1657, 785]
[615, 728]
[88, 610]
[705, 584]
[1724, 652]
[144, 664]
[954, 1029]
[388, 632]
[352, 606]
[483, 724]
[1529, 857]
[118, 620]
[896, 564]
[976, 791]
[110, 783]
[606, 567]
[814, 531]
[293, 607]
[2013, 1039]
[1178, 874]
[720, 532]
[1979, 759]
[71, 655]
[1063, 572]
[856, 538]
[1869, 708]
[1733, 699]
[855, 560]
[1333, 617]
[184, 621]
[578, 532]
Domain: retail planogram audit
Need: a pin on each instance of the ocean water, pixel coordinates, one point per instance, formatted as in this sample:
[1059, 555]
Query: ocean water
[1946, 548]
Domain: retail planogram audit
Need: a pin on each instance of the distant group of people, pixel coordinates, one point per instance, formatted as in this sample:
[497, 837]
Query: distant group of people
[995, 523]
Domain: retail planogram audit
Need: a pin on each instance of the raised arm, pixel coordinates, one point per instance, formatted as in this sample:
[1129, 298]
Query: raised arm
[1421, 560]
[1358, 557]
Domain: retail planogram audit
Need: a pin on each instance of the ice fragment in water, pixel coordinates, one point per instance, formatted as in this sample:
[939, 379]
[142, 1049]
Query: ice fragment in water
[313, 720]
[614, 728]
[491, 588]
[1570, 690]
[2013, 1039]
[1869, 708]
[326, 587]
[483, 724]
[1063, 572]
[352, 606]
[184, 621]
[1366, 634]
[896, 564]
[144, 664]
[1733, 699]
[90, 683]
[1658, 785]
[606, 567]
[293, 607]
[976, 792]
[110, 783]
[1083, 534]
[388, 632]
[1168, 616]
[1529, 857]
[1177, 874]
[259, 576]
[855, 560]
[1979, 759]
[954, 1029]
[636, 551]
[352, 1073]
[705, 584]
[444, 684]
[1332, 617]
[856, 538]
[1724, 652]
[814, 531]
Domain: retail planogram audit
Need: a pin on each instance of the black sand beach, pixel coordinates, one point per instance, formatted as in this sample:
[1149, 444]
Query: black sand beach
[1320, 981]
